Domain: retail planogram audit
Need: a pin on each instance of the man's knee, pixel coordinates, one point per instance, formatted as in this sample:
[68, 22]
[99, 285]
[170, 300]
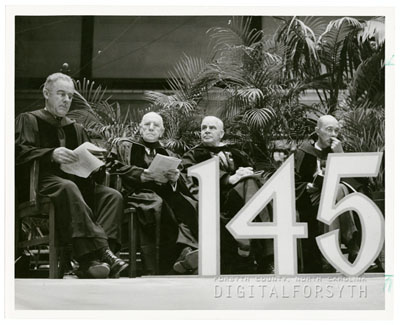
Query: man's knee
[112, 195]
[68, 186]
[116, 197]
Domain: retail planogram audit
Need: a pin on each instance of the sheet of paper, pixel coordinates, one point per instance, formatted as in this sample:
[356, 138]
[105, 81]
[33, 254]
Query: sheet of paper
[87, 161]
[161, 164]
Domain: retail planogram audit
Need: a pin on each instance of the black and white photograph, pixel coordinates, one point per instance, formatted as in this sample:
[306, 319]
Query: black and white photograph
[194, 162]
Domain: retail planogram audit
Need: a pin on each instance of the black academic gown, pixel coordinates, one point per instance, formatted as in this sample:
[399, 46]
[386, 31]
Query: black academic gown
[232, 199]
[87, 214]
[307, 204]
[176, 209]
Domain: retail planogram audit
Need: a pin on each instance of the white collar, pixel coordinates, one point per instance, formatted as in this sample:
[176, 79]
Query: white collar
[317, 146]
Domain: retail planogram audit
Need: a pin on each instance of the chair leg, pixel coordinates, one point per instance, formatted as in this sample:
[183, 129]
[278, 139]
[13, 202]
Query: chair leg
[300, 259]
[132, 233]
[17, 235]
[53, 256]
[158, 231]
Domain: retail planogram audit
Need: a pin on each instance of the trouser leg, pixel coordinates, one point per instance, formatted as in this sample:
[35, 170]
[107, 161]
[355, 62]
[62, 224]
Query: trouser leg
[185, 214]
[345, 222]
[312, 259]
[261, 250]
[74, 218]
[108, 212]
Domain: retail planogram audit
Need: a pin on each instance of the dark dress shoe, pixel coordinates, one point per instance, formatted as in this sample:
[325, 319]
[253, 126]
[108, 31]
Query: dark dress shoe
[93, 270]
[266, 265]
[375, 268]
[116, 264]
[187, 262]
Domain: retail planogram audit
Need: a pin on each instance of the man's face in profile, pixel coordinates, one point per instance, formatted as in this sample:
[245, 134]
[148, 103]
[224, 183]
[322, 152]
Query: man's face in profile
[151, 127]
[59, 97]
[211, 132]
[329, 129]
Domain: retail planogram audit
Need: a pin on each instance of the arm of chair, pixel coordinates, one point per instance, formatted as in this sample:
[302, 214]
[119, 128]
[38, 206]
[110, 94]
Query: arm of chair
[30, 200]
[107, 179]
[113, 181]
[33, 201]
[34, 181]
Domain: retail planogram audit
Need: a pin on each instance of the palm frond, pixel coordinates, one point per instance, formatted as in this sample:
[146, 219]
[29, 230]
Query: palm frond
[159, 98]
[250, 95]
[373, 29]
[92, 95]
[368, 83]
[364, 130]
[339, 23]
[300, 46]
[189, 80]
[259, 118]
[234, 104]
[316, 24]
[238, 32]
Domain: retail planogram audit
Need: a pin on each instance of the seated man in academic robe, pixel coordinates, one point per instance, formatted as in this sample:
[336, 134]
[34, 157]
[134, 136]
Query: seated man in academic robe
[88, 214]
[310, 171]
[238, 184]
[170, 205]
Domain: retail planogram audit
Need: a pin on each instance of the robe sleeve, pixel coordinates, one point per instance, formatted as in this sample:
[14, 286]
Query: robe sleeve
[188, 160]
[194, 157]
[118, 164]
[27, 146]
[240, 159]
[300, 182]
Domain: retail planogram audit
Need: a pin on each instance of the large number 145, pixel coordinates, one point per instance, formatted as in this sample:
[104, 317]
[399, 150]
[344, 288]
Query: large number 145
[284, 229]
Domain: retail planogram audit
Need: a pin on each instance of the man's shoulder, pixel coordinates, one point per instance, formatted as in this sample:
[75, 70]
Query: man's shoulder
[131, 141]
[124, 144]
[307, 148]
[232, 147]
[27, 119]
[197, 154]
[29, 114]
[43, 115]
[198, 149]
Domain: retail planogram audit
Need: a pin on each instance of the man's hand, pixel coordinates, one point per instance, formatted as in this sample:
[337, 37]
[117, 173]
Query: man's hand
[63, 155]
[311, 188]
[240, 173]
[147, 176]
[172, 175]
[336, 145]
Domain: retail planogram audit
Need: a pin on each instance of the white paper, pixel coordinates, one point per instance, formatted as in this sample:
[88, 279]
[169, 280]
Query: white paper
[161, 164]
[87, 162]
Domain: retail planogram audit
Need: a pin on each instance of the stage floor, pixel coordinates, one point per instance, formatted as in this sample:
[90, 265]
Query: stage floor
[252, 292]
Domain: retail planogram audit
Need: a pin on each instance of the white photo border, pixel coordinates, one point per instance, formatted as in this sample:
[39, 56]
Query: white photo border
[12, 11]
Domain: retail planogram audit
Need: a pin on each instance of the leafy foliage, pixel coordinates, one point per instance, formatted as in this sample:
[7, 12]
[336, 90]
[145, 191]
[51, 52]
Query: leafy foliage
[364, 131]
[255, 85]
[327, 63]
[102, 118]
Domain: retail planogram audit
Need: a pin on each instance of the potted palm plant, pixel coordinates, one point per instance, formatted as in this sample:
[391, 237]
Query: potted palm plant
[364, 131]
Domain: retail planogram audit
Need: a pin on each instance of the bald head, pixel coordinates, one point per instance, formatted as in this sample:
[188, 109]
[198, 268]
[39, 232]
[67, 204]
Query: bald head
[326, 129]
[213, 119]
[212, 131]
[151, 127]
[326, 119]
[152, 116]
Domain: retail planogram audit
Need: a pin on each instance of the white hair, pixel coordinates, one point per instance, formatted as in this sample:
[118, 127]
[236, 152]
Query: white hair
[51, 79]
[219, 121]
[154, 114]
